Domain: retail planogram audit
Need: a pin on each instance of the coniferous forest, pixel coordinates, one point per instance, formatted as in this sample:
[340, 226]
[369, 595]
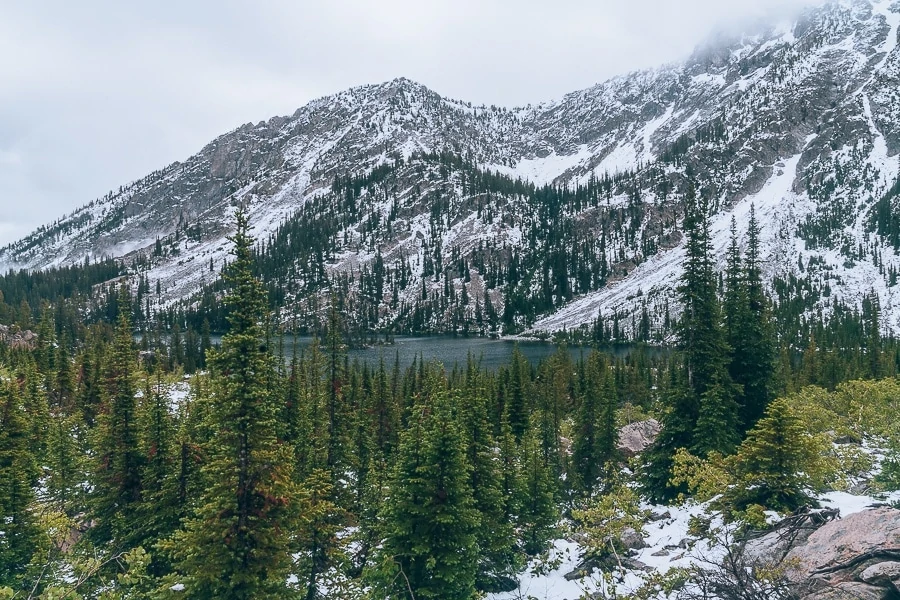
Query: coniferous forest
[138, 459]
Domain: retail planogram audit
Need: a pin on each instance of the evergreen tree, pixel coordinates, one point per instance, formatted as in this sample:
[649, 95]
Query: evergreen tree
[237, 544]
[19, 533]
[774, 462]
[517, 392]
[321, 523]
[495, 535]
[36, 408]
[89, 389]
[735, 302]
[336, 410]
[678, 420]
[595, 425]
[701, 411]
[119, 458]
[161, 508]
[716, 429]
[700, 332]
[65, 452]
[752, 336]
[430, 547]
[64, 388]
[537, 508]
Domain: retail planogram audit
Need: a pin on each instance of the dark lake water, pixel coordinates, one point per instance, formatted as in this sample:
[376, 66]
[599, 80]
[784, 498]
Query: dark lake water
[450, 350]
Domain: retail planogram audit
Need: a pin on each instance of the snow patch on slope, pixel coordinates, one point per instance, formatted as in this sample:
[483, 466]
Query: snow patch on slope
[659, 274]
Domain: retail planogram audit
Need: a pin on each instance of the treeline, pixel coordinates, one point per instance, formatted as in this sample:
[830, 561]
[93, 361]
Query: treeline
[23, 294]
[490, 287]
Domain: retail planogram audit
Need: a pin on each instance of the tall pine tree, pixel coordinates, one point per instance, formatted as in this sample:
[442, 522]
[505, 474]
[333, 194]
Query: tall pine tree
[751, 334]
[238, 544]
[119, 458]
[703, 414]
[430, 546]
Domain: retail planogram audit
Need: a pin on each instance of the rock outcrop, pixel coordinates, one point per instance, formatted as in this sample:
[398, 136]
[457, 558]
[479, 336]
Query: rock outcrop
[854, 557]
[17, 339]
[636, 437]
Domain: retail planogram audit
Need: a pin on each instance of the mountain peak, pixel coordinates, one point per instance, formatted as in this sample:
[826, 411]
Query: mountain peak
[800, 119]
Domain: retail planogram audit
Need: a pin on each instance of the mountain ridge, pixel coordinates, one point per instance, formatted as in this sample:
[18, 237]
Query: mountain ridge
[802, 121]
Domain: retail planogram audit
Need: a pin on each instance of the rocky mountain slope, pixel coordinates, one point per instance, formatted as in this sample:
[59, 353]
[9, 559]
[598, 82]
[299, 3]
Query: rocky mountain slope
[801, 120]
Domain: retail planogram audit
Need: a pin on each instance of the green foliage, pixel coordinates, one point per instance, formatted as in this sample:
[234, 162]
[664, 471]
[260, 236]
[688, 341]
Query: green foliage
[430, 521]
[702, 478]
[119, 460]
[18, 530]
[596, 434]
[495, 535]
[538, 514]
[607, 518]
[237, 544]
[775, 466]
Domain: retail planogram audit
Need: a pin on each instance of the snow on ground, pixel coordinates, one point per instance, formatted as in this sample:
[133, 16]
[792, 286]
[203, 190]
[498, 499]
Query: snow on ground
[850, 504]
[541, 171]
[549, 583]
[670, 545]
[623, 157]
[663, 538]
[178, 393]
[663, 552]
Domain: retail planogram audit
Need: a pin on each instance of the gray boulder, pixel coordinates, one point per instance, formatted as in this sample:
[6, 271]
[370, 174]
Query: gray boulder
[883, 574]
[792, 531]
[632, 540]
[849, 590]
[634, 438]
[842, 549]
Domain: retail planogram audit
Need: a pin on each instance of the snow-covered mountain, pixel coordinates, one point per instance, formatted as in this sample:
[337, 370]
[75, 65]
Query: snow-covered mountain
[800, 119]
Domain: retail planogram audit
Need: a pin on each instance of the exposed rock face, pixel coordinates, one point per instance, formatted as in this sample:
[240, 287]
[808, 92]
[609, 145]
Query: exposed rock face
[854, 557]
[842, 549]
[637, 437]
[882, 574]
[791, 532]
[849, 590]
[17, 339]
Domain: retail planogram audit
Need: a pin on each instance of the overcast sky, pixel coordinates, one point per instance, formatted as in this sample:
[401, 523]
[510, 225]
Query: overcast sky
[96, 94]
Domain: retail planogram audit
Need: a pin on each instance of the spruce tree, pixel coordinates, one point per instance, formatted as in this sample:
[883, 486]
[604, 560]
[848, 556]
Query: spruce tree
[321, 523]
[337, 416]
[65, 452]
[537, 506]
[495, 535]
[703, 414]
[752, 336]
[19, 533]
[237, 544]
[595, 425]
[430, 546]
[517, 392]
[161, 508]
[735, 302]
[89, 393]
[119, 457]
[774, 461]
[678, 420]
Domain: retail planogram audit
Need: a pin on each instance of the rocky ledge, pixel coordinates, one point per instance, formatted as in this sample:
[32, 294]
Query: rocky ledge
[827, 557]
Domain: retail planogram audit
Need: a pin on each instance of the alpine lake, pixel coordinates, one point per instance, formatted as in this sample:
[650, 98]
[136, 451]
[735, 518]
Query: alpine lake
[491, 353]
